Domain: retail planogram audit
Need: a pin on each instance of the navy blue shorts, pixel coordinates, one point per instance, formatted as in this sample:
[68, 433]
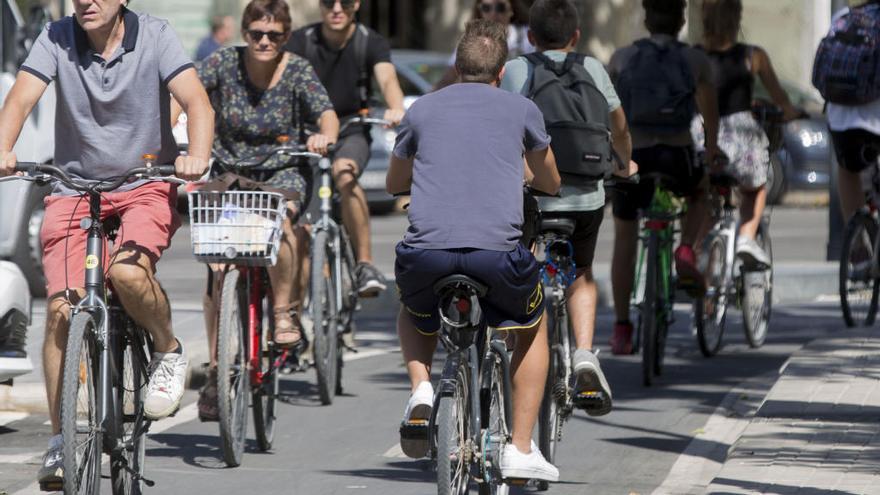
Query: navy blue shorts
[515, 300]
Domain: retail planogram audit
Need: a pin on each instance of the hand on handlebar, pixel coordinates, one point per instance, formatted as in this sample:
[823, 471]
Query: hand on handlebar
[7, 163]
[319, 143]
[631, 169]
[793, 113]
[190, 168]
[394, 116]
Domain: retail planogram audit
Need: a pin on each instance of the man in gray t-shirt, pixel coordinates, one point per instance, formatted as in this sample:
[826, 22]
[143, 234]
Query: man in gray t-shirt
[460, 151]
[113, 70]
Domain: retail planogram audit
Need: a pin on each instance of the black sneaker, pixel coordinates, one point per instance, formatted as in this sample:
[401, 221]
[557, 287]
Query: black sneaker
[370, 281]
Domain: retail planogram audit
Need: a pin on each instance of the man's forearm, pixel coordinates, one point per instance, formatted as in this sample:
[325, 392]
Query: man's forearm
[12, 118]
[623, 147]
[393, 94]
[329, 125]
[200, 130]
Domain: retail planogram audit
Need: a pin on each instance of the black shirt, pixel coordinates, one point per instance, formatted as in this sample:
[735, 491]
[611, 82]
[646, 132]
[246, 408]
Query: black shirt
[338, 69]
[733, 78]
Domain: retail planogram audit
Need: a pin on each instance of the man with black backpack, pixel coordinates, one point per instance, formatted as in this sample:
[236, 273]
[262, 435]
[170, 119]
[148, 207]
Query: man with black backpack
[583, 116]
[662, 83]
[346, 55]
[847, 74]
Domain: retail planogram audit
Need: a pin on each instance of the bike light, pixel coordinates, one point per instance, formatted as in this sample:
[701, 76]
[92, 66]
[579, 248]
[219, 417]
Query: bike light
[551, 270]
[463, 306]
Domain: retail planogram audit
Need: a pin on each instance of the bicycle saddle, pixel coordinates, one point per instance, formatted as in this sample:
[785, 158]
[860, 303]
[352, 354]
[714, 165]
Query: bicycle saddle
[564, 226]
[723, 180]
[459, 281]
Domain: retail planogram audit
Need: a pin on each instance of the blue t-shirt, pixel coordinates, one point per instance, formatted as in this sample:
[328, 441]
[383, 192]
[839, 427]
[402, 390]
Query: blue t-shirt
[206, 47]
[467, 141]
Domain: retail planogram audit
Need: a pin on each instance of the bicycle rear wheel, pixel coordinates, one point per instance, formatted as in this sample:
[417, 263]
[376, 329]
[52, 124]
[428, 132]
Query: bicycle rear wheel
[757, 294]
[710, 310]
[263, 397]
[649, 309]
[80, 424]
[322, 306]
[232, 370]
[133, 356]
[451, 424]
[858, 283]
[496, 432]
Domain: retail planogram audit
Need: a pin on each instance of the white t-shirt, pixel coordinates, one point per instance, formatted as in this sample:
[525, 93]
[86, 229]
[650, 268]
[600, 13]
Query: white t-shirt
[844, 117]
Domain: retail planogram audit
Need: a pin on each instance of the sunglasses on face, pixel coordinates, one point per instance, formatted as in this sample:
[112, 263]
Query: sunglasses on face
[345, 4]
[498, 7]
[256, 35]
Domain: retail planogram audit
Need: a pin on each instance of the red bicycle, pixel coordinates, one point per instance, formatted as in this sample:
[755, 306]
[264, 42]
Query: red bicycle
[241, 230]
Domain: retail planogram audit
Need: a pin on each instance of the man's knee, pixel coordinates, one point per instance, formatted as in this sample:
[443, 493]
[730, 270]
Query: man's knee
[345, 175]
[130, 276]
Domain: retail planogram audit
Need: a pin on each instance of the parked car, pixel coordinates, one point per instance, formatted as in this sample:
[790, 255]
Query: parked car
[23, 201]
[418, 71]
[805, 158]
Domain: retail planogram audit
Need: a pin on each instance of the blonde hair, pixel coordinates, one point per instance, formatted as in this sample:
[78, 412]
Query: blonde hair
[721, 21]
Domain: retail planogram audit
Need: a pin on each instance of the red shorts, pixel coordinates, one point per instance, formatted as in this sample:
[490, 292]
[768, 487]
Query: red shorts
[149, 220]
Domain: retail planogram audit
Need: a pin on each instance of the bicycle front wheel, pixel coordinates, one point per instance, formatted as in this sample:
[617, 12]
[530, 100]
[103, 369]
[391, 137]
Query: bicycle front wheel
[80, 425]
[710, 310]
[232, 370]
[322, 306]
[452, 437]
[858, 282]
[757, 295]
[133, 355]
[649, 311]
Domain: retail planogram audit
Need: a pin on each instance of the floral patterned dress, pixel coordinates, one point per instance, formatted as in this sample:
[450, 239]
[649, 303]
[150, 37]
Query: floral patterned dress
[249, 120]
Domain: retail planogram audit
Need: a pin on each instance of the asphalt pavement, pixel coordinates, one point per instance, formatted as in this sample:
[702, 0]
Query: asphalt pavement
[658, 439]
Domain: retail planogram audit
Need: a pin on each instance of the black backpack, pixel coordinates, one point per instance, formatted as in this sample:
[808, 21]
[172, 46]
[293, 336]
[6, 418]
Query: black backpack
[657, 88]
[575, 114]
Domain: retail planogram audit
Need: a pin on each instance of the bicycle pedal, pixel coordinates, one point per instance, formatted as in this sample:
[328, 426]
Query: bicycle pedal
[416, 429]
[592, 399]
[52, 486]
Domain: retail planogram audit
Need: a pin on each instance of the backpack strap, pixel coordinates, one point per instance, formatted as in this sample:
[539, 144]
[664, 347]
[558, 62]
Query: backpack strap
[361, 36]
[311, 48]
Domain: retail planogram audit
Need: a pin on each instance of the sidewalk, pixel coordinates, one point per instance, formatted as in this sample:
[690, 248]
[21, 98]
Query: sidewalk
[818, 429]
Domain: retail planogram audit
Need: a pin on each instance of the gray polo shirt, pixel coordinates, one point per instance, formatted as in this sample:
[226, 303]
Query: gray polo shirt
[110, 112]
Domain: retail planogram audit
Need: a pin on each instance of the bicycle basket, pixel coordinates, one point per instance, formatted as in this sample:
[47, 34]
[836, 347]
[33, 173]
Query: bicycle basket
[236, 227]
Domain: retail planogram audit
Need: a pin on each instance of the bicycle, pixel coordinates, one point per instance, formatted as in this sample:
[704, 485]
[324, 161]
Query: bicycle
[107, 357]
[728, 279]
[654, 296]
[859, 272]
[469, 424]
[333, 297]
[241, 230]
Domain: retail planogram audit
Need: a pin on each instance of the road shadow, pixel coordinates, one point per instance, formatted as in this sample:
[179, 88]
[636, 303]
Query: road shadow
[421, 471]
[201, 451]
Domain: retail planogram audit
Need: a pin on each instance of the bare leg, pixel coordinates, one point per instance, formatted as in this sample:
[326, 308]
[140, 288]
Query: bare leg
[212, 310]
[418, 349]
[54, 345]
[582, 299]
[282, 273]
[135, 282]
[623, 263]
[355, 212]
[301, 269]
[849, 187]
[529, 368]
[751, 211]
[695, 218]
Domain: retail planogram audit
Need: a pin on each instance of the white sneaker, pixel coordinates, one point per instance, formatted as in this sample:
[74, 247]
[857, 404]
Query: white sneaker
[51, 474]
[418, 412]
[165, 389]
[751, 253]
[589, 380]
[531, 466]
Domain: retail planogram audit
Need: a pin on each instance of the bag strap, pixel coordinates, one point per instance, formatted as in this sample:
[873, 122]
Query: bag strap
[361, 36]
[311, 50]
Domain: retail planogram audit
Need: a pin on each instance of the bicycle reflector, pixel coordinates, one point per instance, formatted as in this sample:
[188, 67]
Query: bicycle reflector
[283, 139]
[656, 224]
[463, 306]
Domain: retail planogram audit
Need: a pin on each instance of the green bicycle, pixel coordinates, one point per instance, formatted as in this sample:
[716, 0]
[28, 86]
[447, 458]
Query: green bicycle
[654, 289]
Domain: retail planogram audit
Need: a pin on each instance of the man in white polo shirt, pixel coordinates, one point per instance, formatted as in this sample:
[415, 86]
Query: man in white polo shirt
[113, 70]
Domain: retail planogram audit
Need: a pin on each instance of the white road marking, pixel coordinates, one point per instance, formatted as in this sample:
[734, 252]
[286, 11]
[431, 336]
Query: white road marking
[7, 417]
[18, 458]
[352, 356]
[395, 452]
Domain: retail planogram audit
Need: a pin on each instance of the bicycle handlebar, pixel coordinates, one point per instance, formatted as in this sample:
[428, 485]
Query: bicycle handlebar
[86, 186]
[362, 120]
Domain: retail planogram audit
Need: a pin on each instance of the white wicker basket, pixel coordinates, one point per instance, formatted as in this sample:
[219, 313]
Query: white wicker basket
[236, 227]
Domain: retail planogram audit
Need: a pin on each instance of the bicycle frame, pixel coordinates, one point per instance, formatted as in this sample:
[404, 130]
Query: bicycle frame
[255, 278]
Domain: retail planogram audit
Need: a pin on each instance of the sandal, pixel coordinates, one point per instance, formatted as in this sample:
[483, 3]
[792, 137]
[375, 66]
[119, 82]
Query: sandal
[209, 409]
[288, 328]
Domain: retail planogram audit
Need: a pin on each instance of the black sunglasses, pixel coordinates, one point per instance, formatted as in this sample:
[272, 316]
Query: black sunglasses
[346, 4]
[500, 7]
[274, 36]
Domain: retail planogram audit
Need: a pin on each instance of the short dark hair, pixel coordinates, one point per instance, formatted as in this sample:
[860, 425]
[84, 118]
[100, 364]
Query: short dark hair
[721, 21]
[217, 23]
[664, 16]
[481, 52]
[553, 23]
[275, 10]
